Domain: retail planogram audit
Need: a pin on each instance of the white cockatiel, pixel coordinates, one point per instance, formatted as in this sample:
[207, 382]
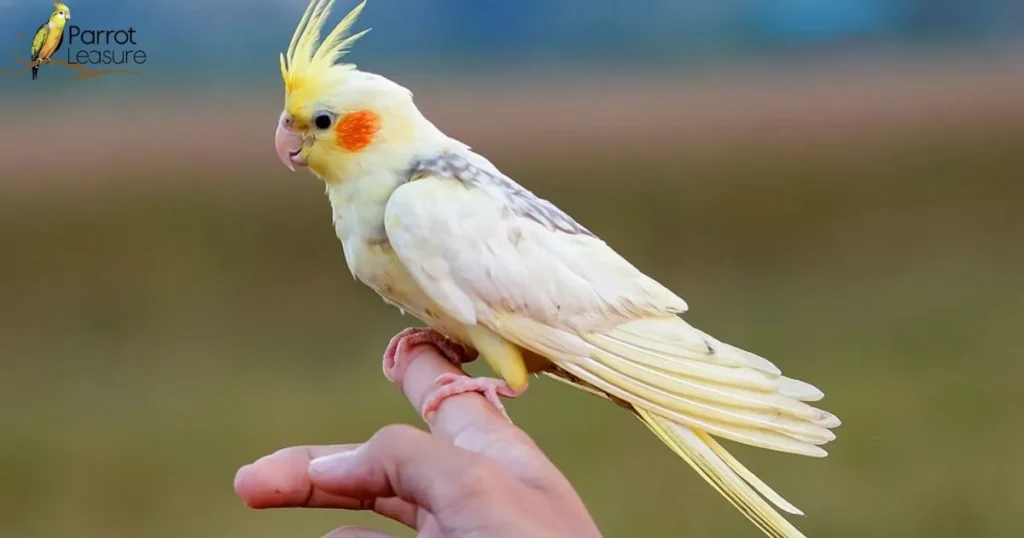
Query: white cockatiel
[440, 232]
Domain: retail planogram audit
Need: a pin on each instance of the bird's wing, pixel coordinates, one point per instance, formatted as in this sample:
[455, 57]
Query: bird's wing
[38, 40]
[491, 253]
[482, 245]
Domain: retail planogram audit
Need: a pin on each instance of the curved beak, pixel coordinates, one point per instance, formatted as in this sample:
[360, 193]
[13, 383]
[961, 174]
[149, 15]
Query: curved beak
[289, 144]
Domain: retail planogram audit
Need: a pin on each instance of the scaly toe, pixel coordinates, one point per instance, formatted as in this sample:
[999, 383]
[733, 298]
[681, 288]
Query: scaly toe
[395, 361]
[449, 385]
[395, 348]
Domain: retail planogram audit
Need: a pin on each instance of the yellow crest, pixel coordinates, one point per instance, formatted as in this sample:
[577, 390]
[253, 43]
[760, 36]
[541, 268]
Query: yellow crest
[58, 5]
[308, 57]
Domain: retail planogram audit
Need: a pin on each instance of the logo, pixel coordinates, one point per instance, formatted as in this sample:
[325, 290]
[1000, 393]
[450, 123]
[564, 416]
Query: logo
[90, 52]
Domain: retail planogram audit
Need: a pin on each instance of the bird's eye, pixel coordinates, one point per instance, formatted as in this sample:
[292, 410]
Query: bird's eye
[322, 121]
[61, 13]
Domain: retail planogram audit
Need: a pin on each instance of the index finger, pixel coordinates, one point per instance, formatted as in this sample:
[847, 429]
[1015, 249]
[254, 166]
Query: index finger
[457, 415]
[471, 422]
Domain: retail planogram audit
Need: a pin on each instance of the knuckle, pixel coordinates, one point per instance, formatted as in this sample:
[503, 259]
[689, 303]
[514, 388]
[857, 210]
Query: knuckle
[289, 456]
[394, 434]
[495, 441]
[512, 436]
[289, 452]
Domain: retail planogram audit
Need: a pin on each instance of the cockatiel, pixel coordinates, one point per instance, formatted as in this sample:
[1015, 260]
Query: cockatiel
[441, 233]
[49, 36]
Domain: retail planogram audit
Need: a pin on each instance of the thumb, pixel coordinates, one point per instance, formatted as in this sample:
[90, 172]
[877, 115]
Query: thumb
[402, 461]
[355, 532]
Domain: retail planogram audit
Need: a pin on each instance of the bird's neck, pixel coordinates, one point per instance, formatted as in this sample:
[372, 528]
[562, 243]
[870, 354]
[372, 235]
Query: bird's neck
[358, 203]
[358, 200]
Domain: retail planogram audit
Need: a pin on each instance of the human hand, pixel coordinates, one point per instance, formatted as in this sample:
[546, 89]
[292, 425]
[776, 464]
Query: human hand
[474, 476]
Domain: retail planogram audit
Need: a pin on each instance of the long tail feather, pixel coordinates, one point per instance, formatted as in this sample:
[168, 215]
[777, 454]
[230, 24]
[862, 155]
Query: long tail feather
[726, 475]
[712, 462]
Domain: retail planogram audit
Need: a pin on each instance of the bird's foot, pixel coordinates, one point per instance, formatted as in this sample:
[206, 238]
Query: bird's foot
[44, 60]
[449, 385]
[396, 359]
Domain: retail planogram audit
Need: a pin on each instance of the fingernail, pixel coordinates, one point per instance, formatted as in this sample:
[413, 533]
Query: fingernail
[238, 475]
[330, 465]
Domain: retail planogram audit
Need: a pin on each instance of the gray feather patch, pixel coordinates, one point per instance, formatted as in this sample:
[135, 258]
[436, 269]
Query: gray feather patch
[518, 200]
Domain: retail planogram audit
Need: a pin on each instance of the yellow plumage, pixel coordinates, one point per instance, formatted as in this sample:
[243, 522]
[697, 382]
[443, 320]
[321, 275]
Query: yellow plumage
[49, 36]
[504, 358]
[440, 232]
[308, 58]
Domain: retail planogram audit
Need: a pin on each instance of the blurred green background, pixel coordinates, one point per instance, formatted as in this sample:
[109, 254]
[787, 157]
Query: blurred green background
[174, 303]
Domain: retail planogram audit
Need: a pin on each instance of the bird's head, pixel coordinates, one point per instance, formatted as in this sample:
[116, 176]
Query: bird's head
[61, 14]
[337, 118]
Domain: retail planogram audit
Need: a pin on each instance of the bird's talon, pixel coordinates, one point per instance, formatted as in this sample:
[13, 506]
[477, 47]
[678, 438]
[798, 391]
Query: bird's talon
[446, 379]
[395, 362]
[449, 385]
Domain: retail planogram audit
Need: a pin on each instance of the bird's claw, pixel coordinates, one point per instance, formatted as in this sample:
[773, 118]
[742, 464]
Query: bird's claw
[396, 362]
[396, 355]
[449, 385]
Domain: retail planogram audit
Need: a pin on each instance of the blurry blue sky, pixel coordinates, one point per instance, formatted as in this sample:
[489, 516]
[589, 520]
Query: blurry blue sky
[241, 38]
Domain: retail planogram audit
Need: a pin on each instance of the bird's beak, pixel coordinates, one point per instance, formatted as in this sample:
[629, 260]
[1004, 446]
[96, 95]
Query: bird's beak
[67, 16]
[289, 144]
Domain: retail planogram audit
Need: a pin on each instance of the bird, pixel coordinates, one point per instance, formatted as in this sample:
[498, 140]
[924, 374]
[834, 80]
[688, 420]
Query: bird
[49, 37]
[497, 272]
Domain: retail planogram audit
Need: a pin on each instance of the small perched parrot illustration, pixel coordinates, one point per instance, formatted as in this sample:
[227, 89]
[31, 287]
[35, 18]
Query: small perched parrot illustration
[50, 36]
[495, 271]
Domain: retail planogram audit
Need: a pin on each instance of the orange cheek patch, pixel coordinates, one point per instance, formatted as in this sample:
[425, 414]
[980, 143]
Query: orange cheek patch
[356, 130]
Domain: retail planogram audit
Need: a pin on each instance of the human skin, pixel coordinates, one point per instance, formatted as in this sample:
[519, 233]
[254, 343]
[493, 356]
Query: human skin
[475, 475]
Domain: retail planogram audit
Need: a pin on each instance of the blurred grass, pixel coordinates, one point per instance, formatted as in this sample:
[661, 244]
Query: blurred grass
[154, 338]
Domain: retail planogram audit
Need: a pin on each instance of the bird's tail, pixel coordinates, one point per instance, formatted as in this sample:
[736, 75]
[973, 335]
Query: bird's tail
[727, 475]
[35, 72]
[687, 386]
[713, 463]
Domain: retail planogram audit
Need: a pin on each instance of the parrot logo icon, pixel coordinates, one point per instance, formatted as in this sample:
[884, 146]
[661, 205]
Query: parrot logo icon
[89, 51]
[49, 37]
